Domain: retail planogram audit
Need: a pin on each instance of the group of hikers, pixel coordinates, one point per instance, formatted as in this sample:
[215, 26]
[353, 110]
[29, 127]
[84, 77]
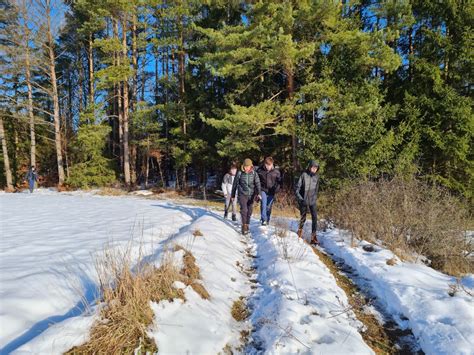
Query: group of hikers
[249, 184]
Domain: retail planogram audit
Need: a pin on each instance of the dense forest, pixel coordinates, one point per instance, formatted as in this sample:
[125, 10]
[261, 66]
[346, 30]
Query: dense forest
[167, 92]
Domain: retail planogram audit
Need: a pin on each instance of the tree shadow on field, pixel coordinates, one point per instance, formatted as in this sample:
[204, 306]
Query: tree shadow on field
[193, 212]
[87, 301]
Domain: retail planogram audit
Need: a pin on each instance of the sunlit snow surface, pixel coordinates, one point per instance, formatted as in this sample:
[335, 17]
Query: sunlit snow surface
[47, 248]
[48, 286]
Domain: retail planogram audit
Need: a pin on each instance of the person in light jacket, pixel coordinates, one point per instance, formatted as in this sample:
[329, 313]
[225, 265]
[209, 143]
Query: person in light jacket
[247, 184]
[227, 183]
[306, 195]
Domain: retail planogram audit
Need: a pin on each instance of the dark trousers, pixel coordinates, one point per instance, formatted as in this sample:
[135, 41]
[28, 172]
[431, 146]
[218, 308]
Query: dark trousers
[266, 206]
[246, 207]
[314, 216]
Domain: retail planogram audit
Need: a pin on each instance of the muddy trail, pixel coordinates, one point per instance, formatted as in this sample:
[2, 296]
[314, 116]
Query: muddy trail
[382, 330]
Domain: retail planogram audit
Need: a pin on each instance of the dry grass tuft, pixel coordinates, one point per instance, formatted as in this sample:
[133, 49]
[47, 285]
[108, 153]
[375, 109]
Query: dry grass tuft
[168, 193]
[111, 191]
[391, 261]
[197, 233]
[190, 269]
[126, 314]
[411, 218]
[191, 274]
[239, 310]
[200, 290]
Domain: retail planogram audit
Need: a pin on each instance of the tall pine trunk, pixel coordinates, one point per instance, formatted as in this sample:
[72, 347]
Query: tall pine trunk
[182, 92]
[55, 96]
[290, 89]
[27, 69]
[30, 107]
[126, 148]
[118, 98]
[135, 81]
[410, 54]
[134, 96]
[6, 159]
[90, 61]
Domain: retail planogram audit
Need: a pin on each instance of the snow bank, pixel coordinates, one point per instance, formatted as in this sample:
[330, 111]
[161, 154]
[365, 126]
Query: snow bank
[47, 247]
[415, 294]
[199, 326]
[299, 307]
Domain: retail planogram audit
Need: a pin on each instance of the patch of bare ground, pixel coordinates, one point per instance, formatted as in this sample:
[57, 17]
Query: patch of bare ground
[385, 338]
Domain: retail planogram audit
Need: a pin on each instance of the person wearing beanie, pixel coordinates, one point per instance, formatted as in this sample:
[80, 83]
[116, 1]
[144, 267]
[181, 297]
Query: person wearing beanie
[227, 184]
[247, 187]
[270, 180]
[306, 195]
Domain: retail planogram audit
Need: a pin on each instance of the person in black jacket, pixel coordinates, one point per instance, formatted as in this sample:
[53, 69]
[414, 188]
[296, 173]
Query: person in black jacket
[270, 180]
[306, 194]
[247, 184]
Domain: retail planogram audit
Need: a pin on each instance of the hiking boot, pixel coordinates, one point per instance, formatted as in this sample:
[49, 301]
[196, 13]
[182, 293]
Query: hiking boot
[234, 217]
[225, 215]
[264, 223]
[246, 229]
[314, 239]
[300, 233]
[243, 229]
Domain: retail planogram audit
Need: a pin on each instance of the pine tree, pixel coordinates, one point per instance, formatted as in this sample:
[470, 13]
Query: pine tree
[433, 91]
[262, 53]
[177, 89]
[91, 167]
[293, 62]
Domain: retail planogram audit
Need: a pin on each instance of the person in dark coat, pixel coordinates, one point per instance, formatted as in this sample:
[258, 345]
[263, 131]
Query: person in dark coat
[270, 181]
[247, 184]
[31, 177]
[306, 194]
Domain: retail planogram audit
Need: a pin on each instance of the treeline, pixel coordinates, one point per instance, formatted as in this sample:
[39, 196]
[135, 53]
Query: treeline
[168, 91]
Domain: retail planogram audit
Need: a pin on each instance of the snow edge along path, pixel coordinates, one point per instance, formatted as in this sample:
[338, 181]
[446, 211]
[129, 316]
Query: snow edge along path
[298, 308]
[415, 294]
[200, 326]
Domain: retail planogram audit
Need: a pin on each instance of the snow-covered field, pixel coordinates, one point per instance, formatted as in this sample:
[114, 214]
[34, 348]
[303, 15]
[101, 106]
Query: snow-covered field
[47, 249]
[48, 285]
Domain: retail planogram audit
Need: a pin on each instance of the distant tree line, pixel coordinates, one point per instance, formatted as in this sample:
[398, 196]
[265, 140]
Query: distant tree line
[158, 91]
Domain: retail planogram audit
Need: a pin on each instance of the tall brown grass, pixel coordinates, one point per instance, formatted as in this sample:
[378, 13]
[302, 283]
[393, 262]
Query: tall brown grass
[410, 217]
[126, 292]
[239, 310]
